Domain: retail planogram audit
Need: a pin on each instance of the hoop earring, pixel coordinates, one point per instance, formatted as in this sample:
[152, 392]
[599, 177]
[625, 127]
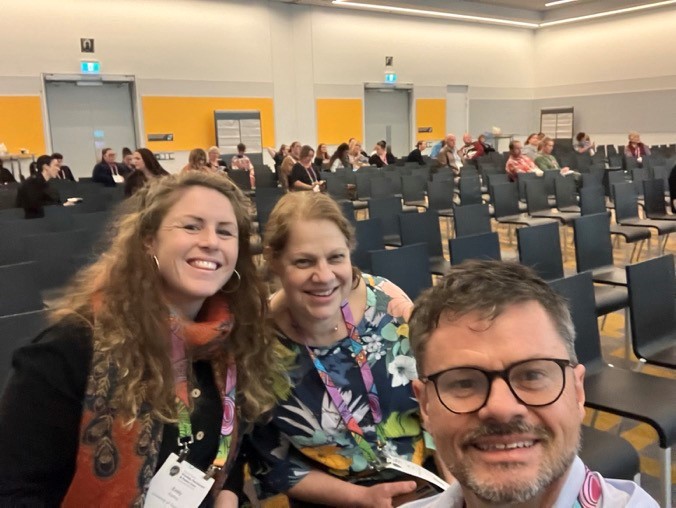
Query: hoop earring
[239, 283]
[157, 262]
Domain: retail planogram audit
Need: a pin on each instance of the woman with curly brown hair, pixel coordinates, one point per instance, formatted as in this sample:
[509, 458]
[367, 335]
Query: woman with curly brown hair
[157, 357]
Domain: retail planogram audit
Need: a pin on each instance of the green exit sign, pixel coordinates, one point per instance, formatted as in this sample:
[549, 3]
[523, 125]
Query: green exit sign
[90, 67]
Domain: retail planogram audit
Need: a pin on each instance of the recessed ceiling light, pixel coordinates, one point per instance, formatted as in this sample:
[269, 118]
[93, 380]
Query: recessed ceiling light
[439, 14]
[558, 2]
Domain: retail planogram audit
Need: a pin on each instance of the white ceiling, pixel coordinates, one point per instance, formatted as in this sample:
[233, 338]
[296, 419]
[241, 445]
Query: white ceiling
[529, 11]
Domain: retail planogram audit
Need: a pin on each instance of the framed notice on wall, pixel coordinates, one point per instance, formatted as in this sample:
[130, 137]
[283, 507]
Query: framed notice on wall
[557, 123]
[234, 127]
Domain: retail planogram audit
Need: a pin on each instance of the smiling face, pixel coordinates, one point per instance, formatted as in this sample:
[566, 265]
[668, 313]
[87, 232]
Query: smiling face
[315, 270]
[196, 247]
[505, 452]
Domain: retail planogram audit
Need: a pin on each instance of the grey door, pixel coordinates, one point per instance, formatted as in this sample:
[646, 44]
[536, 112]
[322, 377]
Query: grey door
[388, 116]
[85, 119]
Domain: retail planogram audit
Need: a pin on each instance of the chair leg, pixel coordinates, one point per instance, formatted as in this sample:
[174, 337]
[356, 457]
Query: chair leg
[627, 334]
[663, 246]
[595, 415]
[510, 231]
[565, 243]
[603, 321]
[665, 476]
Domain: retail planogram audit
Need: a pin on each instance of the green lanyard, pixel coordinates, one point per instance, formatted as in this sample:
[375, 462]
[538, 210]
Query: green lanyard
[185, 435]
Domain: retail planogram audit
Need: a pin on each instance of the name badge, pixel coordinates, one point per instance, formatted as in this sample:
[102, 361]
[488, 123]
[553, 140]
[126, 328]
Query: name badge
[414, 470]
[177, 485]
[118, 178]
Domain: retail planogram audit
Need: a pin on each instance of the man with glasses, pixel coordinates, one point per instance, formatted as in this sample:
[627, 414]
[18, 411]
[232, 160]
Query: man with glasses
[502, 394]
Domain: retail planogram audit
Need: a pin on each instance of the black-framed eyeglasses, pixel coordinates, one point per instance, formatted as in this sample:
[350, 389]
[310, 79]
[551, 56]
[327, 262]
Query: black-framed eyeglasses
[535, 382]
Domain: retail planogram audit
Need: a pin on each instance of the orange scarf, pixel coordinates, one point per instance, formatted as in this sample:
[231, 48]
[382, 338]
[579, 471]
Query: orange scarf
[115, 460]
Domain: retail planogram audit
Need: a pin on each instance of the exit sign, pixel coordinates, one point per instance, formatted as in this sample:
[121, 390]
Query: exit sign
[90, 67]
[390, 77]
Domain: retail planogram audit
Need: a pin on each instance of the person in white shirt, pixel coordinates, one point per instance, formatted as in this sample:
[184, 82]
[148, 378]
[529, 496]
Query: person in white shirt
[502, 393]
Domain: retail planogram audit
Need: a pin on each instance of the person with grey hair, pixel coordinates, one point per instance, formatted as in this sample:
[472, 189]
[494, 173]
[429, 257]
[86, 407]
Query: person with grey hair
[502, 393]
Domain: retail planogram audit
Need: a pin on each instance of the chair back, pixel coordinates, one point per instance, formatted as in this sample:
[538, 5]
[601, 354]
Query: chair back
[593, 247]
[564, 190]
[264, 177]
[536, 198]
[369, 237]
[12, 249]
[19, 291]
[440, 195]
[638, 176]
[470, 190]
[548, 179]
[540, 248]
[422, 228]
[578, 290]
[471, 220]
[653, 193]
[407, 267]
[521, 179]
[626, 202]
[16, 331]
[363, 182]
[592, 200]
[387, 210]
[505, 200]
[593, 179]
[241, 178]
[381, 187]
[483, 246]
[413, 188]
[651, 305]
[336, 186]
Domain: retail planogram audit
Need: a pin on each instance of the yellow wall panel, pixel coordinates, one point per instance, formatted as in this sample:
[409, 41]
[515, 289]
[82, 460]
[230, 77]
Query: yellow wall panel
[430, 113]
[191, 119]
[339, 120]
[21, 124]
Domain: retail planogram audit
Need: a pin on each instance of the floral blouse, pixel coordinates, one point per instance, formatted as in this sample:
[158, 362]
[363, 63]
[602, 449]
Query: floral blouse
[306, 431]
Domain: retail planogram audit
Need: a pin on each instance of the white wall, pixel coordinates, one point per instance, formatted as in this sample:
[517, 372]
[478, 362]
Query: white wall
[297, 53]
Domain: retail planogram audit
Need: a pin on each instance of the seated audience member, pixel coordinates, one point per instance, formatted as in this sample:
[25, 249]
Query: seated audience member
[502, 393]
[197, 161]
[242, 162]
[546, 161]
[434, 152]
[35, 193]
[635, 148]
[448, 156]
[532, 146]
[303, 175]
[346, 339]
[357, 156]
[215, 163]
[471, 149]
[6, 175]
[126, 158]
[278, 157]
[382, 156]
[322, 158]
[108, 172]
[146, 168]
[159, 350]
[519, 163]
[583, 144]
[416, 153]
[487, 148]
[288, 163]
[352, 141]
[340, 158]
[64, 171]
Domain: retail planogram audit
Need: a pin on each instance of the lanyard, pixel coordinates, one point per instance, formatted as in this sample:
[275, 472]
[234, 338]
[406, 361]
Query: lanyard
[367, 376]
[185, 435]
[311, 174]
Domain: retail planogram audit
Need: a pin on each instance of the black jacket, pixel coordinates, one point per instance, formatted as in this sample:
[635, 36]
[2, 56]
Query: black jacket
[34, 194]
[103, 174]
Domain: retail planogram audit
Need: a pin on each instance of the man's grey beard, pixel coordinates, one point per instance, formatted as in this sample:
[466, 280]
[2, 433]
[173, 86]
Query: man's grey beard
[517, 491]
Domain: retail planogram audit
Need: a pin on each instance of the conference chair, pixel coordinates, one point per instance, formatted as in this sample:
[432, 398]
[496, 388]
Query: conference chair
[369, 237]
[407, 267]
[614, 390]
[470, 190]
[506, 208]
[19, 290]
[610, 455]
[483, 246]
[12, 249]
[471, 220]
[593, 200]
[538, 207]
[655, 206]
[264, 177]
[626, 214]
[440, 200]
[387, 210]
[522, 179]
[381, 187]
[651, 306]
[242, 180]
[565, 194]
[336, 186]
[413, 191]
[424, 228]
[348, 211]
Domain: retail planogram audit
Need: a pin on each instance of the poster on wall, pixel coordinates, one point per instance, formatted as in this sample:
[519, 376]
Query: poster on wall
[557, 123]
[234, 127]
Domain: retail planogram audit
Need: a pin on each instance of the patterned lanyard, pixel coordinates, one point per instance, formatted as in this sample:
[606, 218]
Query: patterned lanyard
[590, 495]
[185, 435]
[367, 376]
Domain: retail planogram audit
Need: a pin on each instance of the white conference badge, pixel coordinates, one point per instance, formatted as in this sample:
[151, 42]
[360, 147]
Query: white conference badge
[177, 484]
[412, 469]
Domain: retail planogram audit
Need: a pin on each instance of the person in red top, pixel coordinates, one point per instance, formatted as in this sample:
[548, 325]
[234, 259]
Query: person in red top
[471, 149]
[635, 148]
[519, 163]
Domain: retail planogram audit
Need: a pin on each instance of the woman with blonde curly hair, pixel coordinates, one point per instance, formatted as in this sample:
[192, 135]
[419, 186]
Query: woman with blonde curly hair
[345, 337]
[158, 350]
